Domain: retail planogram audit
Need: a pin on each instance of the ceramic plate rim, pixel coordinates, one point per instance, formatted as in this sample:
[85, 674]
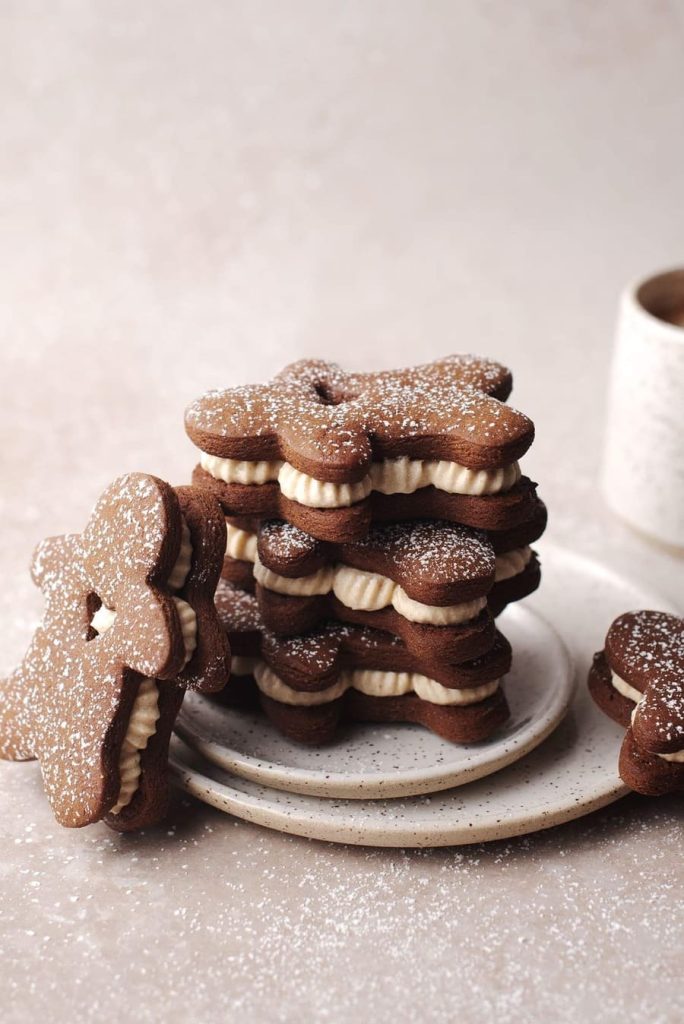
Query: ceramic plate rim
[606, 788]
[415, 782]
[312, 825]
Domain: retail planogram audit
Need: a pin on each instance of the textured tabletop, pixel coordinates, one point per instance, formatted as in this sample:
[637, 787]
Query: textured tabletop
[192, 195]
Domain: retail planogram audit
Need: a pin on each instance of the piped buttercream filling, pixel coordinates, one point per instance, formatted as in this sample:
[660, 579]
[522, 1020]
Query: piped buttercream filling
[374, 683]
[145, 712]
[367, 591]
[179, 573]
[512, 563]
[631, 693]
[243, 665]
[240, 544]
[389, 476]
[103, 619]
[188, 624]
[141, 726]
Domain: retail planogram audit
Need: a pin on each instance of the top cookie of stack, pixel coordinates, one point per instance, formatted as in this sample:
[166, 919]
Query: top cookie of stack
[331, 452]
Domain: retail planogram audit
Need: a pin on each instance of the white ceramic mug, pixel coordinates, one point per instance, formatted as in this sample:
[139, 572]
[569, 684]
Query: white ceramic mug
[643, 478]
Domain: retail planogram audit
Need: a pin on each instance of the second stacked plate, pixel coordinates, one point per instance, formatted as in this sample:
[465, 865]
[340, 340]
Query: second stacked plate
[571, 774]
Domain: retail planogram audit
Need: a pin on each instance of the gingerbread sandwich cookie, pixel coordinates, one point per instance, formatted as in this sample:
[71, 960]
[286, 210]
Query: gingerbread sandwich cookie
[308, 684]
[428, 583]
[638, 680]
[129, 624]
[327, 450]
[240, 618]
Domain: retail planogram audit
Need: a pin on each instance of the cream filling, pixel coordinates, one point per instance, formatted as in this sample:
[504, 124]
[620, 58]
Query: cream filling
[179, 573]
[631, 693]
[141, 726]
[188, 624]
[374, 683]
[367, 591]
[145, 712]
[244, 665]
[103, 619]
[625, 689]
[390, 476]
[240, 544]
[307, 490]
[512, 563]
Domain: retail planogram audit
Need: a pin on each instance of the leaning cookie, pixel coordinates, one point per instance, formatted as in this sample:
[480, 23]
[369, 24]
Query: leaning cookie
[328, 450]
[638, 680]
[308, 685]
[129, 623]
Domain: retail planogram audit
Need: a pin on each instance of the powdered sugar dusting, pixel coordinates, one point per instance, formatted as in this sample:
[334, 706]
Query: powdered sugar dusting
[253, 925]
[427, 552]
[237, 610]
[437, 552]
[647, 647]
[288, 541]
[317, 410]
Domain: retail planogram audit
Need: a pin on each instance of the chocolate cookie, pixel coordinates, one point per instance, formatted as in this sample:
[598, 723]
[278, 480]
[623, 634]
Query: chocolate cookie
[308, 684]
[129, 624]
[328, 450]
[240, 618]
[430, 583]
[638, 680]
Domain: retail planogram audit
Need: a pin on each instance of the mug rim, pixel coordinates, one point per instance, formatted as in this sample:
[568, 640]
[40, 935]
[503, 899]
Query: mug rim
[632, 297]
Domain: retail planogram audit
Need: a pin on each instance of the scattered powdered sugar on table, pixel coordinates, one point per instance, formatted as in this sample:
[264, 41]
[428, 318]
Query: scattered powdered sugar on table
[219, 920]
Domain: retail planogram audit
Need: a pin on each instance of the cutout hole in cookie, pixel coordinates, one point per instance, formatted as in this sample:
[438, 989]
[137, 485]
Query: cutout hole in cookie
[93, 604]
[326, 395]
[100, 617]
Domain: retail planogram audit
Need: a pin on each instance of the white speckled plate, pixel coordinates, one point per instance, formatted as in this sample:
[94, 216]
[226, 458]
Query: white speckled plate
[376, 761]
[573, 773]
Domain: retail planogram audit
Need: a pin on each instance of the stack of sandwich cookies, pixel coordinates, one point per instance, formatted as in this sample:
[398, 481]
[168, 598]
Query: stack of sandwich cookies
[386, 506]
[129, 624]
[638, 680]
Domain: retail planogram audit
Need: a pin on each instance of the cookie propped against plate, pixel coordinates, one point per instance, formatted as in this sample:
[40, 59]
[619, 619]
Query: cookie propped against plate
[638, 680]
[129, 624]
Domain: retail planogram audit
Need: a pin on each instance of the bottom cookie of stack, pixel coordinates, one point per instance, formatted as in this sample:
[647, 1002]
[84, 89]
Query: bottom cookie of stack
[308, 685]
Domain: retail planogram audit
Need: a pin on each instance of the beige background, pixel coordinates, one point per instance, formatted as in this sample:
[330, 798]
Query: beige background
[194, 193]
